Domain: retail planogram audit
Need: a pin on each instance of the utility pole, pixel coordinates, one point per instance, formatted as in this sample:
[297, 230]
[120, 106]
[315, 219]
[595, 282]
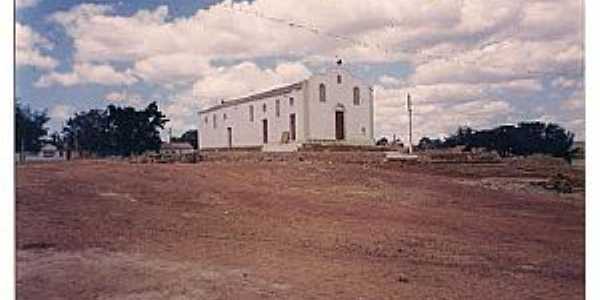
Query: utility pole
[410, 109]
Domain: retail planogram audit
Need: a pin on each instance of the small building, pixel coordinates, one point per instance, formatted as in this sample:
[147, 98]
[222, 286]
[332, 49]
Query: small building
[49, 151]
[578, 149]
[330, 108]
[176, 148]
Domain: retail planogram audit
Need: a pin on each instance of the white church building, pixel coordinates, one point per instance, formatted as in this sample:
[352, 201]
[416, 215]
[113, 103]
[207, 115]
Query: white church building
[330, 108]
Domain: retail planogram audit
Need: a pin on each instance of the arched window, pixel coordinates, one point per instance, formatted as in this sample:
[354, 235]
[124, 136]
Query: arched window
[356, 96]
[322, 92]
[214, 121]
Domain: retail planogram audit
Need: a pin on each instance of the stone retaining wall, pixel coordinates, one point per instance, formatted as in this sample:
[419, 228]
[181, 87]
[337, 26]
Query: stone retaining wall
[329, 156]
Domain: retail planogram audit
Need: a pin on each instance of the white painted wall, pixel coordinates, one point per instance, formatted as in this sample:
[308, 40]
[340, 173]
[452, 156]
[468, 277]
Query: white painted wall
[318, 124]
[247, 133]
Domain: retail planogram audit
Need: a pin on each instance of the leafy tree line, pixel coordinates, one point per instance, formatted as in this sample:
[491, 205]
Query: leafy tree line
[525, 138]
[29, 128]
[115, 130]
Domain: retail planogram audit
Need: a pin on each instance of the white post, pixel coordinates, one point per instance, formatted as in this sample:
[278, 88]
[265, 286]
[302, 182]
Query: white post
[409, 108]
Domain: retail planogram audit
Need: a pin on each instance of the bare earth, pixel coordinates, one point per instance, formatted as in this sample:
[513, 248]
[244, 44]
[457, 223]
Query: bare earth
[292, 230]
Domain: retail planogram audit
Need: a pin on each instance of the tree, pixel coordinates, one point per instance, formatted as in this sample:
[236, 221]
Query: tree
[525, 138]
[461, 137]
[190, 137]
[29, 128]
[86, 132]
[426, 143]
[57, 140]
[116, 130]
[558, 141]
[382, 142]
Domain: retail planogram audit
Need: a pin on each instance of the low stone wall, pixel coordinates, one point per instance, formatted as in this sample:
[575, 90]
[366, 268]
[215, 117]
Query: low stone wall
[345, 148]
[455, 156]
[228, 149]
[329, 156]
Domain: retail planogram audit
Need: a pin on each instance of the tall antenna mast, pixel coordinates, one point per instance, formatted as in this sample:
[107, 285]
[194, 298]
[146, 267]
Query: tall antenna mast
[409, 108]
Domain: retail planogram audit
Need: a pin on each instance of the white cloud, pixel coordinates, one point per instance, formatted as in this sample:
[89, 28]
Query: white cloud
[514, 59]
[246, 78]
[548, 20]
[518, 86]
[229, 30]
[576, 102]
[26, 3]
[181, 109]
[463, 54]
[124, 97]
[28, 45]
[566, 83]
[359, 31]
[388, 80]
[440, 108]
[61, 112]
[177, 68]
[87, 73]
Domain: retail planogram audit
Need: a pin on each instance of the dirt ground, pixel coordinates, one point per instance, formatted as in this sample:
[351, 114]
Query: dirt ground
[293, 230]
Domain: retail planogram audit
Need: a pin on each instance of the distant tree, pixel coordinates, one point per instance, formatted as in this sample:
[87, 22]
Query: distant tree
[89, 132]
[557, 140]
[426, 143]
[29, 128]
[190, 137]
[503, 140]
[57, 140]
[134, 132]
[461, 137]
[525, 138]
[116, 130]
[382, 142]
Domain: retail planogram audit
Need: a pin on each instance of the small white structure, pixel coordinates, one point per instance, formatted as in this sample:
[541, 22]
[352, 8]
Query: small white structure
[49, 151]
[334, 107]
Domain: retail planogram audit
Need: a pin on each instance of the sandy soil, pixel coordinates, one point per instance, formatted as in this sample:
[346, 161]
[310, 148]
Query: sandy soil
[291, 230]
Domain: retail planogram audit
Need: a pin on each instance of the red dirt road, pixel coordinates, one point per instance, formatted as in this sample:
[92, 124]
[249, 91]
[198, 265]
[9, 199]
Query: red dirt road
[288, 230]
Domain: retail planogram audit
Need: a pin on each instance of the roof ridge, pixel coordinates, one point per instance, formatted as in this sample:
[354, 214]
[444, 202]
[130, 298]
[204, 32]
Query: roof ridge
[279, 90]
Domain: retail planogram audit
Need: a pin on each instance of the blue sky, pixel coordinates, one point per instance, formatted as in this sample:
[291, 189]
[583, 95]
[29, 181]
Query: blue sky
[478, 63]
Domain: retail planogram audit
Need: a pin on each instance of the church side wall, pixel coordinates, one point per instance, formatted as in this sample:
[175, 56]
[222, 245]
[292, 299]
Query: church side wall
[247, 133]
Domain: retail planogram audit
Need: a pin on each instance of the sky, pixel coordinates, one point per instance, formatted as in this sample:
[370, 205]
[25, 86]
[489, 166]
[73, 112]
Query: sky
[479, 63]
